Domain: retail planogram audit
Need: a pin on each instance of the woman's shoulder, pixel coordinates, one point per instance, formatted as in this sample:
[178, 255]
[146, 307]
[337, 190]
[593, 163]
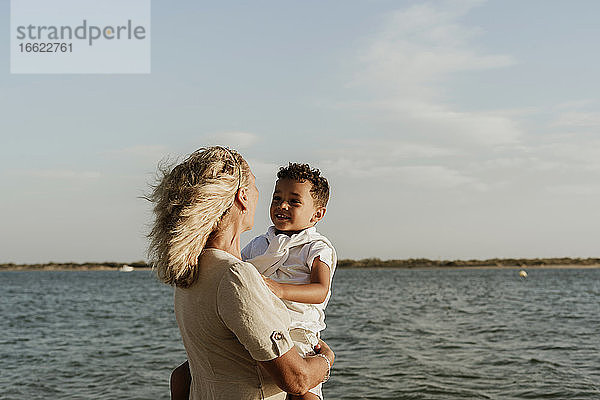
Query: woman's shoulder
[224, 264]
[219, 257]
[231, 267]
[244, 268]
[241, 283]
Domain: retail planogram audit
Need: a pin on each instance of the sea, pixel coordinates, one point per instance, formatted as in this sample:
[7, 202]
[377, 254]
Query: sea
[397, 334]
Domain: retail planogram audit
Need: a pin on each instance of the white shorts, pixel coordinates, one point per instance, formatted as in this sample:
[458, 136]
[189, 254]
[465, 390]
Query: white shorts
[305, 342]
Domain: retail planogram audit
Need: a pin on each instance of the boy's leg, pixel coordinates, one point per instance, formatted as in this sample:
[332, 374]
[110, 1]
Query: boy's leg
[305, 343]
[180, 382]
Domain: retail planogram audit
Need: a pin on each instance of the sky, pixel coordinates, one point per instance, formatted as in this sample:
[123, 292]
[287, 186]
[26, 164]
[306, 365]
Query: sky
[447, 129]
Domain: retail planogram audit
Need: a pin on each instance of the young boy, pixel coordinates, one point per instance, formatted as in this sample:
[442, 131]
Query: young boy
[296, 261]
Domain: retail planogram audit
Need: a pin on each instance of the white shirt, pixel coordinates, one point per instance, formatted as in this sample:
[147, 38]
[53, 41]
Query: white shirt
[289, 259]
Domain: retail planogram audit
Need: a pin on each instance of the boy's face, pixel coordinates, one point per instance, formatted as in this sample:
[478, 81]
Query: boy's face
[292, 207]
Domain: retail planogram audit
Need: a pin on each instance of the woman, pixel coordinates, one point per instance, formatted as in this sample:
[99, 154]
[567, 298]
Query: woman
[235, 331]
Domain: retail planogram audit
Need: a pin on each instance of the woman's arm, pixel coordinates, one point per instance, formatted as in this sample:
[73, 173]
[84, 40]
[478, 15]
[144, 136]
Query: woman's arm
[314, 292]
[261, 322]
[297, 375]
[291, 372]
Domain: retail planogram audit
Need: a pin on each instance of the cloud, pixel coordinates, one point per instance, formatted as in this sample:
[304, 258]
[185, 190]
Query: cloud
[521, 161]
[404, 71]
[577, 119]
[391, 149]
[410, 58]
[435, 176]
[406, 163]
[234, 139]
[480, 128]
[423, 44]
[579, 156]
[426, 176]
[575, 104]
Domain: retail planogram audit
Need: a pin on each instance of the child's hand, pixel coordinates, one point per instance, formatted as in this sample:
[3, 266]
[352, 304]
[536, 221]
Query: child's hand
[317, 348]
[275, 287]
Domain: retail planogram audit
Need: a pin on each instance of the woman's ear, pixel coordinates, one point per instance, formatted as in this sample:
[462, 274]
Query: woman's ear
[242, 198]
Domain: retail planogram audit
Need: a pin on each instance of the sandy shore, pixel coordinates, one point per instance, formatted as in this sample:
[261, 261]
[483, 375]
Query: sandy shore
[525, 267]
[65, 268]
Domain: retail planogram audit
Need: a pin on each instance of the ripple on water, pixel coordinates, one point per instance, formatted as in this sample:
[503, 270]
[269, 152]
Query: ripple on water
[481, 334]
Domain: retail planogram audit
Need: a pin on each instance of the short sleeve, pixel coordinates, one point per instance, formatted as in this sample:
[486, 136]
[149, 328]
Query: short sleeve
[246, 251]
[323, 251]
[257, 246]
[253, 313]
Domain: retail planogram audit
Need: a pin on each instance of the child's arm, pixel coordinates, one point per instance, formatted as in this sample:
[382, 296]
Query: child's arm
[314, 292]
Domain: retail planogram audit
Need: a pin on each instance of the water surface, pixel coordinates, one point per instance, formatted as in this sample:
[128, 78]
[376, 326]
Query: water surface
[398, 334]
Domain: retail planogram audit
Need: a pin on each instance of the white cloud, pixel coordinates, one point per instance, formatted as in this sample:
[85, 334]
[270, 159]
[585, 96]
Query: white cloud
[577, 119]
[405, 69]
[582, 156]
[435, 176]
[481, 128]
[388, 149]
[400, 161]
[575, 104]
[412, 55]
[426, 176]
[423, 44]
[519, 161]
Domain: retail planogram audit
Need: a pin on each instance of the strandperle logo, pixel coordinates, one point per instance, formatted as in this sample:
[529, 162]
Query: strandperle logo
[80, 36]
[85, 31]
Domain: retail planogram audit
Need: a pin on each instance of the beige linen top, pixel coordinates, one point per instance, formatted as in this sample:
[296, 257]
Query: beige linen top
[229, 320]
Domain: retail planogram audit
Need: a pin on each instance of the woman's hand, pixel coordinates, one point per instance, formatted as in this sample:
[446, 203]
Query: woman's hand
[296, 375]
[275, 287]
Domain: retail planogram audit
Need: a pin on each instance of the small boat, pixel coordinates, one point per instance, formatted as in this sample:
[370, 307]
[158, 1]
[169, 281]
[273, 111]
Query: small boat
[126, 268]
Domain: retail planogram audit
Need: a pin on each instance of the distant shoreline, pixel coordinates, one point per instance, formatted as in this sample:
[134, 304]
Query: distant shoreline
[452, 268]
[370, 263]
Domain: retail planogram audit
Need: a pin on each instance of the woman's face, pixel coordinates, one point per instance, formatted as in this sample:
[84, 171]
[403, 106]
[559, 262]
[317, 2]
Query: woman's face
[252, 201]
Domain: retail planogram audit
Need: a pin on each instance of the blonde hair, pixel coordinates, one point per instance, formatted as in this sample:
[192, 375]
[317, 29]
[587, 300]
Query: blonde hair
[190, 201]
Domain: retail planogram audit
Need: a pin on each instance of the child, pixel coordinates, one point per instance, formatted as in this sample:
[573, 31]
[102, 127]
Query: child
[296, 261]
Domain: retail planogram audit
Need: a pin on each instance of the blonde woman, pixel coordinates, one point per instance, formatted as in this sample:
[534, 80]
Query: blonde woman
[235, 331]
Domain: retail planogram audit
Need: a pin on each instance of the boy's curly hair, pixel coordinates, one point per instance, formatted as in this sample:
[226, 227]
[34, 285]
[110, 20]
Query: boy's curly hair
[303, 172]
